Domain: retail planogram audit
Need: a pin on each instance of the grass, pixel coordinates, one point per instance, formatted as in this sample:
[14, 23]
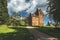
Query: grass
[5, 29]
[55, 32]
[15, 33]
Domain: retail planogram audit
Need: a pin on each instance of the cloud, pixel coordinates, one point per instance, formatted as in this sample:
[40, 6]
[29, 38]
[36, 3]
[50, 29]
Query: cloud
[29, 6]
[45, 12]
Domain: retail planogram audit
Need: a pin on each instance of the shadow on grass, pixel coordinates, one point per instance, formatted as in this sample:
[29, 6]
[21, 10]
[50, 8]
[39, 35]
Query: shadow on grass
[55, 32]
[20, 34]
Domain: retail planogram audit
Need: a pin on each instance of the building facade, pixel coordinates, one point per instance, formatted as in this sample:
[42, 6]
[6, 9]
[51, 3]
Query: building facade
[37, 18]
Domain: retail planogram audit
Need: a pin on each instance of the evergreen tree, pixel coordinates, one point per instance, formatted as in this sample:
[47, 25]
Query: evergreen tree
[3, 11]
[54, 10]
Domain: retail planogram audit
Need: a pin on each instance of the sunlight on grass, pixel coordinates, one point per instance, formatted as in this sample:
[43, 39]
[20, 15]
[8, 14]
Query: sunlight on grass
[49, 27]
[8, 33]
[5, 29]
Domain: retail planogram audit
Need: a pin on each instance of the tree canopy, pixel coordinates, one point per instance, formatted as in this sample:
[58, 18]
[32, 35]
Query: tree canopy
[3, 11]
[54, 10]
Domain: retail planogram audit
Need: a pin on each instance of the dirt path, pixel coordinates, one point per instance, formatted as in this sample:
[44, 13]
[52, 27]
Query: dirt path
[39, 35]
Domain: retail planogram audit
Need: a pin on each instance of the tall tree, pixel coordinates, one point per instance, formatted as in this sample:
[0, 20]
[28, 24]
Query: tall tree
[54, 10]
[3, 11]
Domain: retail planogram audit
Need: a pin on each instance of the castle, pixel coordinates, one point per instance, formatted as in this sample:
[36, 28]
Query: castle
[37, 18]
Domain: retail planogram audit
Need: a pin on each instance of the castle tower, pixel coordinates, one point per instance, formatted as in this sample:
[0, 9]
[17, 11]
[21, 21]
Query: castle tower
[37, 19]
[41, 17]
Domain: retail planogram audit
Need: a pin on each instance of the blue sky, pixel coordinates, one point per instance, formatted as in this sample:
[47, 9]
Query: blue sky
[27, 6]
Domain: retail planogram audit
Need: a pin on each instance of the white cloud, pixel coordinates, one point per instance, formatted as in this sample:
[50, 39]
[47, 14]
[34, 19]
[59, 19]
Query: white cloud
[19, 5]
[45, 12]
[33, 5]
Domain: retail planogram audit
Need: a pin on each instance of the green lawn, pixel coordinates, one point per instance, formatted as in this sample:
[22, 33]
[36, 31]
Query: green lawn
[55, 32]
[14, 33]
[5, 29]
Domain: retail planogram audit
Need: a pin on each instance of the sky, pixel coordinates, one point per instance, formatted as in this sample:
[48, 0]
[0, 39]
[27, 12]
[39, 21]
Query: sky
[27, 6]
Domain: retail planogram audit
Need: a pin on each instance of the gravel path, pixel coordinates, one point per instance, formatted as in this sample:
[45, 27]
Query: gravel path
[39, 35]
